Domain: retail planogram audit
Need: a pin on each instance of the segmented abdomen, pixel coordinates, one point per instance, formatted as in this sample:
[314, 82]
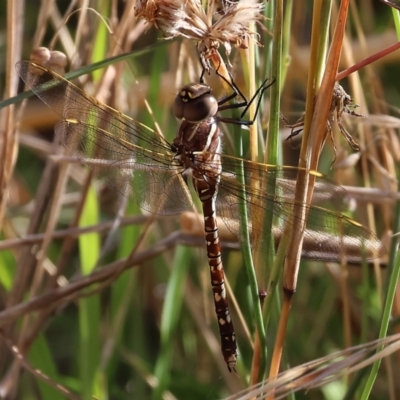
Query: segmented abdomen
[207, 193]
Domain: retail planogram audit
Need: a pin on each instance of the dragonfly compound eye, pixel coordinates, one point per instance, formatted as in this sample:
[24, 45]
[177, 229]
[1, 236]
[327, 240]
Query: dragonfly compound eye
[195, 103]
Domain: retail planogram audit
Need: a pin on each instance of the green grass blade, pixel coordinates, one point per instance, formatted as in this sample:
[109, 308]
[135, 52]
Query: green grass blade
[273, 138]
[40, 356]
[393, 279]
[170, 317]
[89, 308]
[7, 269]
[247, 254]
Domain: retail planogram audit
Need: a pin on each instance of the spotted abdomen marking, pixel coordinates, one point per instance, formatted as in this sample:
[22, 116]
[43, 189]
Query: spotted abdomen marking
[207, 193]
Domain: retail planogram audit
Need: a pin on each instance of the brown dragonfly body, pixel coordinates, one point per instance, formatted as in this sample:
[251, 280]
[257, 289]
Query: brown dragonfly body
[198, 146]
[141, 164]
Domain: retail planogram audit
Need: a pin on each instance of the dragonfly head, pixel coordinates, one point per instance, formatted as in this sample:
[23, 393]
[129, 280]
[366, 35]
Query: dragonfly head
[195, 103]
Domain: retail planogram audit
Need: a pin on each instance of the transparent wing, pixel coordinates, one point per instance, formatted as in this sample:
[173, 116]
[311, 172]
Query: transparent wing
[130, 156]
[70, 102]
[269, 190]
[139, 163]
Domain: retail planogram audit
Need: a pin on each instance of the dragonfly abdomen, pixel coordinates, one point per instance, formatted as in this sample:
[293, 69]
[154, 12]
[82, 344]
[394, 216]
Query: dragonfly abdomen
[225, 324]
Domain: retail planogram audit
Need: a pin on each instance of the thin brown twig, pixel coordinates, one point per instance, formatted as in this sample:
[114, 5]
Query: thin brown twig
[72, 289]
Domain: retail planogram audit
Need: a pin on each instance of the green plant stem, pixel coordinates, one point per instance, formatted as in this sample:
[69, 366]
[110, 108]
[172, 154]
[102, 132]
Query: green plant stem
[271, 154]
[287, 23]
[170, 318]
[247, 255]
[394, 269]
[89, 308]
[273, 139]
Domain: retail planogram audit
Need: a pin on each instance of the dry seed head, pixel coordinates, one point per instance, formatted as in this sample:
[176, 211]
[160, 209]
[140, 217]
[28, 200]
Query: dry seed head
[54, 60]
[187, 18]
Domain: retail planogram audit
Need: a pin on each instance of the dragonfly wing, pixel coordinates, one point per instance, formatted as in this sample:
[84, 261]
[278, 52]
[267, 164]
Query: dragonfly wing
[70, 102]
[282, 180]
[128, 155]
[153, 180]
[330, 236]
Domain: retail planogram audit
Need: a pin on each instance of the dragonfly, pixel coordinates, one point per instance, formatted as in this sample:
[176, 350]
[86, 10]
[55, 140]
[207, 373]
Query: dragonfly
[154, 172]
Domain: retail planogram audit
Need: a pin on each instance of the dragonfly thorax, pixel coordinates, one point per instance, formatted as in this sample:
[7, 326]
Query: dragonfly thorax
[203, 137]
[195, 103]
